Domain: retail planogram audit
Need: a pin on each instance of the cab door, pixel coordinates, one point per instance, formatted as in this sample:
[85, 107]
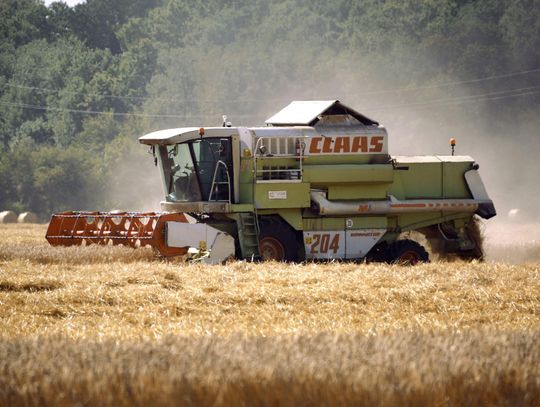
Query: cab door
[213, 159]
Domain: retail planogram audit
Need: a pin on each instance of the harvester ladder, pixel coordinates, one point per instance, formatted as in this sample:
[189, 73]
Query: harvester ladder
[216, 184]
[248, 235]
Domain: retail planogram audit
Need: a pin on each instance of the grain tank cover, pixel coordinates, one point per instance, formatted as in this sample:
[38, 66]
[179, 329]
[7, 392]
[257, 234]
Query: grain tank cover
[319, 112]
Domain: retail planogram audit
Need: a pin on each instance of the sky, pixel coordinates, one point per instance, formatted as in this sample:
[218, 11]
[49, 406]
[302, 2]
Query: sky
[69, 2]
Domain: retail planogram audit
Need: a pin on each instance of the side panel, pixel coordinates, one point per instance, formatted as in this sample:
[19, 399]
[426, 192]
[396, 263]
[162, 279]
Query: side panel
[324, 223]
[431, 177]
[476, 186]
[203, 238]
[453, 185]
[422, 180]
[189, 234]
[366, 222]
[338, 192]
[360, 242]
[338, 244]
[486, 209]
[343, 173]
[327, 244]
[282, 195]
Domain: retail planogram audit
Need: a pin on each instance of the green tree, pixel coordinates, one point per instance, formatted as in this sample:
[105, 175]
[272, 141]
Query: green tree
[63, 179]
[520, 27]
[22, 21]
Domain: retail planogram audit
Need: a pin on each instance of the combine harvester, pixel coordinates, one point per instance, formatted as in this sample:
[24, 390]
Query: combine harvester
[316, 183]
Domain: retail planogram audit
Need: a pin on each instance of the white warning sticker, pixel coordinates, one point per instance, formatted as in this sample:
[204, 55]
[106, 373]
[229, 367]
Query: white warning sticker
[277, 194]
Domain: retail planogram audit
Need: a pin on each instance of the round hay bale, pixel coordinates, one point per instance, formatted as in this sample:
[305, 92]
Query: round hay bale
[27, 217]
[8, 217]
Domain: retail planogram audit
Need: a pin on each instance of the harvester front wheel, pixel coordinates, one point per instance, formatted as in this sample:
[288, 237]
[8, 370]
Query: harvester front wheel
[406, 252]
[277, 242]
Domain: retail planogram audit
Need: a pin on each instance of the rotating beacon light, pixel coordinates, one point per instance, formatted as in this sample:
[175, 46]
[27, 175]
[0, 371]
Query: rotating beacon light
[453, 144]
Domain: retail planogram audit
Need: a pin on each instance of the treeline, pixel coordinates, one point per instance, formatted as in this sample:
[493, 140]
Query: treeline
[79, 85]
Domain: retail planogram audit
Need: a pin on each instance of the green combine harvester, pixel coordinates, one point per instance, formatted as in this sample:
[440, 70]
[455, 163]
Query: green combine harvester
[316, 182]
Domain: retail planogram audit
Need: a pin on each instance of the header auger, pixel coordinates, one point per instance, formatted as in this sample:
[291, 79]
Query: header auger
[316, 182]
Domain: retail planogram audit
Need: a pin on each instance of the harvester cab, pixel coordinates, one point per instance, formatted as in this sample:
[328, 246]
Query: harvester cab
[316, 182]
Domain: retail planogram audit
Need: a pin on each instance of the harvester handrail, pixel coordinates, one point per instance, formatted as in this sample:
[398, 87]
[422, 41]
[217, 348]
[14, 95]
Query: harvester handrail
[218, 164]
[298, 155]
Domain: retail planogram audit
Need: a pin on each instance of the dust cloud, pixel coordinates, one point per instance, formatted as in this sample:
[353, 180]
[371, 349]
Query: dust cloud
[420, 121]
[507, 152]
[136, 185]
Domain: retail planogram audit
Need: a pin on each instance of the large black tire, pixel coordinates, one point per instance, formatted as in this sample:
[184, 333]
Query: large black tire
[277, 241]
[406, 252]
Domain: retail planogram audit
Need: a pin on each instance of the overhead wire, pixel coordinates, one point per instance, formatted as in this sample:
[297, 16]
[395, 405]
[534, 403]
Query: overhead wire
[510, 93]
[454, 83]
[466, 98]
[178, 100]
[103, 95]
[109, 96]
[94, 112]
[496, 95]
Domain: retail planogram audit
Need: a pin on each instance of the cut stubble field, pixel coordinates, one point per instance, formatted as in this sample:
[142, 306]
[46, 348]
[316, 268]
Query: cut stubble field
[111, 325]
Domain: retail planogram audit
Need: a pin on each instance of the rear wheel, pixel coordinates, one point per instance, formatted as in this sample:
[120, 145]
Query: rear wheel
[277, 242]
[406, 252]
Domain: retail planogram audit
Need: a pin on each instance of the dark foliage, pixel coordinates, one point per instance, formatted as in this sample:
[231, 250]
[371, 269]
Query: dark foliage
[79, 84]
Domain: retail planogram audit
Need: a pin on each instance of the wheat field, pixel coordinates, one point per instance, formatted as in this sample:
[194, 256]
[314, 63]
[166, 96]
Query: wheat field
[116, 326]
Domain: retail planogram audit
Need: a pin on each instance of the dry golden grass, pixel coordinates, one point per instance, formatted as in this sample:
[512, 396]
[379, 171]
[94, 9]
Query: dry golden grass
[422, 369]
[117, 326]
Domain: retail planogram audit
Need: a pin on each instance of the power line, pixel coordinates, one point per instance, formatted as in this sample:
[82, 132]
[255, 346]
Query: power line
[459, 102]
[510, 93]
[104, 95]
[486, 96]
[94, 112]
[109, 96]
[441, 85]
[374, 92]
